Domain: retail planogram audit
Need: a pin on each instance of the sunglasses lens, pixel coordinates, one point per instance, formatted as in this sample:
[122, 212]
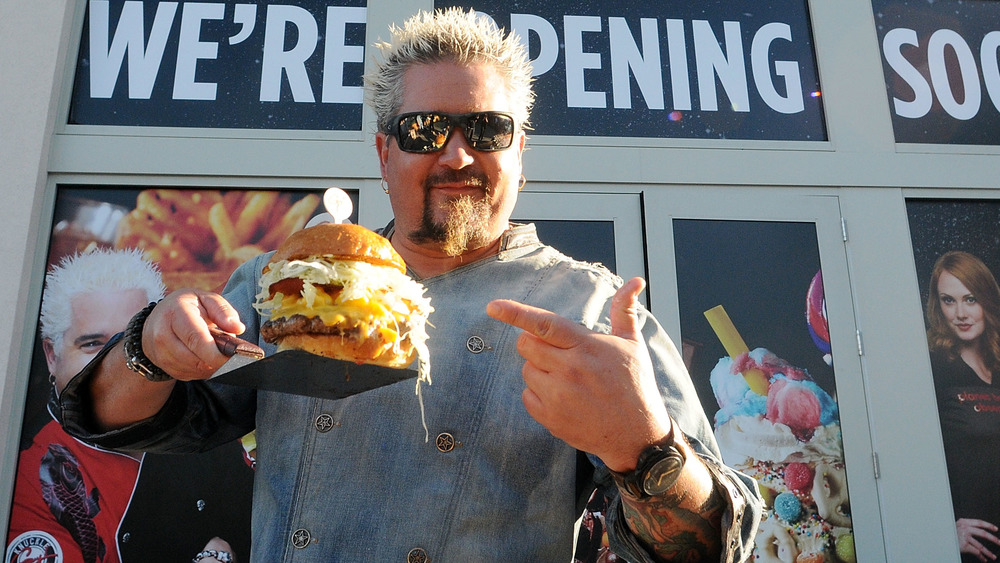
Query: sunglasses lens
[423, 132]
[489, 131]
[428, 132]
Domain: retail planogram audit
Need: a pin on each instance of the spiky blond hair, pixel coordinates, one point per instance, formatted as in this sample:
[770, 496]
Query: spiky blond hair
[100, 270]
[450, 35]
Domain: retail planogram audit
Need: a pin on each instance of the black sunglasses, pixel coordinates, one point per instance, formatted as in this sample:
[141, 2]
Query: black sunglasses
[429, 131]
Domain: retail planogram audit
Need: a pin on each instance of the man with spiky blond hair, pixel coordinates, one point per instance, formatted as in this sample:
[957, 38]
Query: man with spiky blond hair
[549, 377]
[74, 503]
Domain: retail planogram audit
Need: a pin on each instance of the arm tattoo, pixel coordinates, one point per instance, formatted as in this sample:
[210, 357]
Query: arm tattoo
[674, 528]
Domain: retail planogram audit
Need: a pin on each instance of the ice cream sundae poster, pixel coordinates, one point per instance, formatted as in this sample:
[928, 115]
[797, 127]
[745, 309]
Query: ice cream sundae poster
[756, 342]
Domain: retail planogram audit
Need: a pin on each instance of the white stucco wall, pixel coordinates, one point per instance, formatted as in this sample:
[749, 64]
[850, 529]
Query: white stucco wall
[32, 47]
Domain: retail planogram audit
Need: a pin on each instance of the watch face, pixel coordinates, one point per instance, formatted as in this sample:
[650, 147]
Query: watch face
[663, 474]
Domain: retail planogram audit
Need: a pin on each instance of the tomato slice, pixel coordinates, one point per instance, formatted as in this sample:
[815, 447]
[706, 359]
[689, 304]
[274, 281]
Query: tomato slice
[287, 286]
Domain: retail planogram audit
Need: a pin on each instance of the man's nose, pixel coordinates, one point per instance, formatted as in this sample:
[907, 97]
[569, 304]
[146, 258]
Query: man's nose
[456, 152]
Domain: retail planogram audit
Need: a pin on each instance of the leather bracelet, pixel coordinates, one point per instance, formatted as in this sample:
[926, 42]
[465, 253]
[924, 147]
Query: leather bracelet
[135, 359]
[223, 556]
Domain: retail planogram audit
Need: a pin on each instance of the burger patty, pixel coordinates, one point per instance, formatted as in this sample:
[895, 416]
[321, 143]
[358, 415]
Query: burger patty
[274, 330]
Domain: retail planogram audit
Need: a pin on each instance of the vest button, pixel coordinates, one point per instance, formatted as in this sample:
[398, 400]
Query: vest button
[301, 538]
[324, 423]
[445, 442]
[475, 344]
[417, 555]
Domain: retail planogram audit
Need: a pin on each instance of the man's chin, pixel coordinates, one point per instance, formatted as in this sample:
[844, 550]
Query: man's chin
[443, 201]
[465, 225]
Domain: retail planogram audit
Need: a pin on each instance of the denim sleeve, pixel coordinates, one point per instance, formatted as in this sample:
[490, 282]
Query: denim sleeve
[198, 415]
[744, 505]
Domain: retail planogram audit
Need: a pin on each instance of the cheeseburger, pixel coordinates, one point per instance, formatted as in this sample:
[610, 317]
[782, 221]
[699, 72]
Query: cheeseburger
[340, 290]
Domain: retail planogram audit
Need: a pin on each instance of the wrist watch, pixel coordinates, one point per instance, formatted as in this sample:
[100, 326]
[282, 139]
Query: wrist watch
[655, 472]
[135, 359]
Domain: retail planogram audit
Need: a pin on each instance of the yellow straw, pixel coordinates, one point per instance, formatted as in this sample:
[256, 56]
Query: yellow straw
[734, 345]
[726, 331]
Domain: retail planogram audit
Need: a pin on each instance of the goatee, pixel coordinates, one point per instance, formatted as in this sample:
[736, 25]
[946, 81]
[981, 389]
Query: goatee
[465, 226]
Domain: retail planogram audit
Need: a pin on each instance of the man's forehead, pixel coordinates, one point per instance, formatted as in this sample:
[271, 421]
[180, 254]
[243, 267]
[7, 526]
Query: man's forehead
[454, 87]
[93, 307]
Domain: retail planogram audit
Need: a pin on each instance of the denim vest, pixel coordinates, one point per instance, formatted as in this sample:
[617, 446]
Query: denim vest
[355, 480]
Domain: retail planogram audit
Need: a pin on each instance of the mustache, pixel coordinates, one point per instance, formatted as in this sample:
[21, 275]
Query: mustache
[469, 177]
